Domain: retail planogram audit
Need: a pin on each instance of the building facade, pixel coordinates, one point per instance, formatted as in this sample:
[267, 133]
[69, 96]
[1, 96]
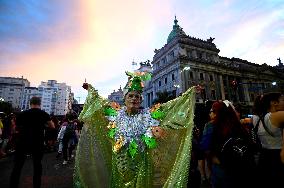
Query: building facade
[116, 96]
[56, 97]
[186, 61]
[12, 90]
[29, 92]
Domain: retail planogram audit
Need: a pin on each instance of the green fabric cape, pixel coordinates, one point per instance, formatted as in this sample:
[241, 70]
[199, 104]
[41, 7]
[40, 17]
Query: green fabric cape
[167, 165]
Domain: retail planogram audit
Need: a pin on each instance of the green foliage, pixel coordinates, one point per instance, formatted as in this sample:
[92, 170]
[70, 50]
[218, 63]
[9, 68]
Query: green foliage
[163, 97]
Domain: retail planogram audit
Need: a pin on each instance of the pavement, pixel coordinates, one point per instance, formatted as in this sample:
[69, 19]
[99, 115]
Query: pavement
[54, 174]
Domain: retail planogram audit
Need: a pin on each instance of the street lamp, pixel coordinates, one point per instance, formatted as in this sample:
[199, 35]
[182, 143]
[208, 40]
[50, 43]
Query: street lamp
[274, 83]
[176, 86]
[1, 99]
[186, 68]
[183, 77]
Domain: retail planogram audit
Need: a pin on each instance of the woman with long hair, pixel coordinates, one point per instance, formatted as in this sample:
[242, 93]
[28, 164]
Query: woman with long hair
[269, 120]
[225, 125]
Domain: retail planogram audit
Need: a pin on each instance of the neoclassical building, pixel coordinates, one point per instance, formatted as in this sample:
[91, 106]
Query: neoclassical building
[116, 96]
[185, 61]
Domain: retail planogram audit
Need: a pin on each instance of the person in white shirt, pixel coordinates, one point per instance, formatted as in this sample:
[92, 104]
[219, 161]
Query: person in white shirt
[269, 110]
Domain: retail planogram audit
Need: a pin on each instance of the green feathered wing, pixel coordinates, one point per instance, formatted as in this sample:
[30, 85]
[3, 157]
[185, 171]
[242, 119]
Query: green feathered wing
[171, 158]
[93, 154]
[165, 166]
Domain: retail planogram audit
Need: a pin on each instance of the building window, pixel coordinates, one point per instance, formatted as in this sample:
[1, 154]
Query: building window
[226, 96]
[191, 75]
[173, 77]
[166, 80]
[199, 55]
[201, 76]
[211, 77]
[171, 55]
[189, 54]
[159, 83]
[225, 83]
[252, 98]
[213, 94]
[11, 89]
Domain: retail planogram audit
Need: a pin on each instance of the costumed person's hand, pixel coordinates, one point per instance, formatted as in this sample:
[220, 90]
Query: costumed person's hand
[158, 132]
[85, 86]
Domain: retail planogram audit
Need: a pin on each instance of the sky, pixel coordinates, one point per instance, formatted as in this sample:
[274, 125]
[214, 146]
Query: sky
[97, 40]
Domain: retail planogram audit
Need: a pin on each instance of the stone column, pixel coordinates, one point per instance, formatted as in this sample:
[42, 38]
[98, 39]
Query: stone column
[246, 92]
[222, 87]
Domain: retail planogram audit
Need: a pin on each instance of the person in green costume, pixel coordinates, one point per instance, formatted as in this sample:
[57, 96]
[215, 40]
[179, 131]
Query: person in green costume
[133, 147]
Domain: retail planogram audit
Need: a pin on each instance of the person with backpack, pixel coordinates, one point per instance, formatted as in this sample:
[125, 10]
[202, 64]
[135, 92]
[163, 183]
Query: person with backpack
[268, 122]
[60, 137]
[226, 143]
[69, 138]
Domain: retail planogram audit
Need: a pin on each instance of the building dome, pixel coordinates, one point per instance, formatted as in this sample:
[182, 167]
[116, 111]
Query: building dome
[177, 30]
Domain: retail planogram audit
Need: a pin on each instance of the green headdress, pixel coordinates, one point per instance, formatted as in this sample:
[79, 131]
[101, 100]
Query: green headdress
[135, 81]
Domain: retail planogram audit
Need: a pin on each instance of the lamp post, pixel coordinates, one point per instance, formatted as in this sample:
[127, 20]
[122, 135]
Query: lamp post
[184, 81]
[176, 86]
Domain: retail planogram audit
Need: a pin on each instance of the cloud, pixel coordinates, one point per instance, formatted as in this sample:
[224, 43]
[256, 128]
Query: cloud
[71, 40]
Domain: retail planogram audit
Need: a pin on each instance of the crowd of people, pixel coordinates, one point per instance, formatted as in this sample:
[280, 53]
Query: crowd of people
[138, 154]
[7, 133]
[53, 137]
[34, 132]
[262, 137]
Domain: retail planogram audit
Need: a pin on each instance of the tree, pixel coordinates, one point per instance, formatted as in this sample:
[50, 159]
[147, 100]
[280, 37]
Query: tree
[6, 107]
[163, 97]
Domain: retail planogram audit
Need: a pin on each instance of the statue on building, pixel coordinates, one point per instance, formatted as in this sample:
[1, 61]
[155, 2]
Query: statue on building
[279, 61]
[210, 39]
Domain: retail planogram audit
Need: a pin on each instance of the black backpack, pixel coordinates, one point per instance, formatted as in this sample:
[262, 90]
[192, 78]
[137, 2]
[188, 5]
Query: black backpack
[69, 131]
[256, 144]
[236, 152]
